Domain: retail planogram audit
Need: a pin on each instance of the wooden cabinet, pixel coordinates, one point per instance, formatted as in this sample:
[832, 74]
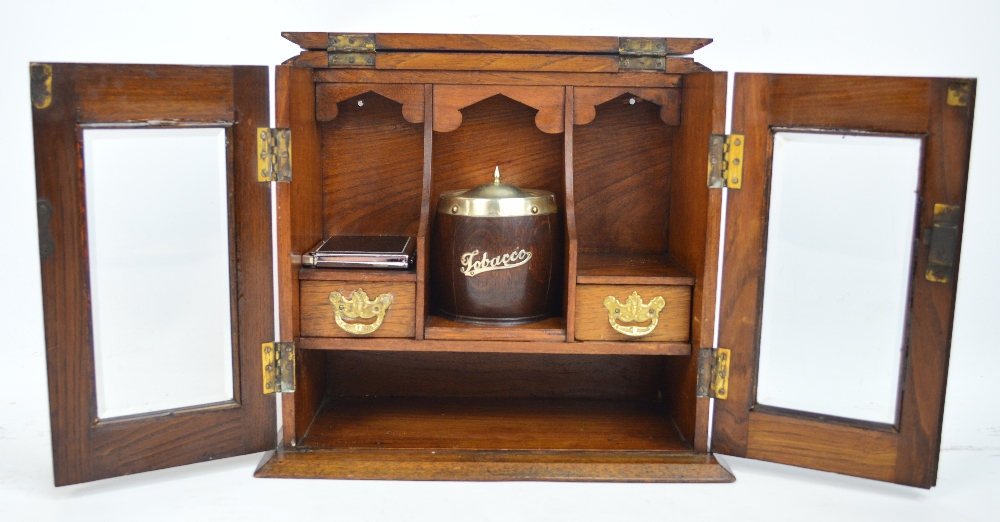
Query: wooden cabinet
[629, 135]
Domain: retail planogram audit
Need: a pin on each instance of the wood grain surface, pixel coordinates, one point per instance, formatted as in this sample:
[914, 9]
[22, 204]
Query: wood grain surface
[524, 294]
[299, 217]
[886, 105]
[569, 210]
[371, 142]
[356, 274]
[476, 61]
[318, 313]
[492, 424]
[499, 346]
[495, 42]
[608, 268]
[449, 100]
[621, 178]
[592, 318]
[491, 375]
[588, 98]
[551, 329]
[618, 79]
[410, 96]
[85, 448]
[819, 445]
[586, 466]
[695, 216]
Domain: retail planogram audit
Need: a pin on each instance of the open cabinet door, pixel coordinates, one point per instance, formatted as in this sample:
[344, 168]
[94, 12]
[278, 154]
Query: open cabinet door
[840, 269]
[155, 244]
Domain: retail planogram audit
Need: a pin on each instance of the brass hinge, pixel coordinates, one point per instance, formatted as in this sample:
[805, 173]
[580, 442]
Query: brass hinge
[713, 373]
[725, 160]
[41, 85]
[350, 50]
[647, 54]
[278, 361]
[274, 155]
[959, 92]
[943, 243]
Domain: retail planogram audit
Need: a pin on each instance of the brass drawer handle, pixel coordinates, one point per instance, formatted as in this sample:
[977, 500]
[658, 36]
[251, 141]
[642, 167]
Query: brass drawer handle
[357, 306]
[634, 311]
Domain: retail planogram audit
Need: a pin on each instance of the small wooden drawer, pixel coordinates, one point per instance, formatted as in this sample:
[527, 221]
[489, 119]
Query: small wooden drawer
[673, 322]
[319, 313]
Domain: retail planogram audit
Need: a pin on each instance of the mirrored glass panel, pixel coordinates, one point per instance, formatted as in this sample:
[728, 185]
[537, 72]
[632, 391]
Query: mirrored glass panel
[158, 238]
[839, 246]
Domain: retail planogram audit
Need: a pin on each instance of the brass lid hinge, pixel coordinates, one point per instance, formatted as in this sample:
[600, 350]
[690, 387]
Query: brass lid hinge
[713, 373]
[647, 54]
[274, 155]
[350, 50]
[725, 160]
[278, 362]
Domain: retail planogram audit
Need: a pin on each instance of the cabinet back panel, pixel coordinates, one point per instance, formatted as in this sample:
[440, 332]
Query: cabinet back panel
[621, 173]
[500, 132]
[372, 169]
[404, 374]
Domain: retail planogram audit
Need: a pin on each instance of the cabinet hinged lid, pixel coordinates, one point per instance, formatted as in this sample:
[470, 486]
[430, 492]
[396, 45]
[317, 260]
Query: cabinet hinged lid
[725, 161]
[713, 373]
[274, 155]
[278, 363]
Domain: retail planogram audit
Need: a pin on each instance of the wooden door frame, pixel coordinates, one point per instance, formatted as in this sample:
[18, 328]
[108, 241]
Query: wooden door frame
[906, 453]
[81, 95]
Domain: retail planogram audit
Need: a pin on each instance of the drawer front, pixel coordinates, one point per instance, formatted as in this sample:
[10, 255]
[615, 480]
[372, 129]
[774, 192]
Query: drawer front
[672, 323]
[358, 315]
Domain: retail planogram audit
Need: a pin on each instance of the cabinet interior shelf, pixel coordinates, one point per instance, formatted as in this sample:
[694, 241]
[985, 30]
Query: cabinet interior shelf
[493, 424]
[493, 346]
[606, 268]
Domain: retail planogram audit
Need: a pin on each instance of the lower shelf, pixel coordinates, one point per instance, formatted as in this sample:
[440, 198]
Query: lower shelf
[493, 424]
[493, 439]
[566, 466]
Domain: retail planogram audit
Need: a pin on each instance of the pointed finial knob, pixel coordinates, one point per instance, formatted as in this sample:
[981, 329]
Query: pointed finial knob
[496, 176]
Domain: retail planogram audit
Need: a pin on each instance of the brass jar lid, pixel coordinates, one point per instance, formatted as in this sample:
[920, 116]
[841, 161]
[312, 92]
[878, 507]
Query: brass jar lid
[497, 199]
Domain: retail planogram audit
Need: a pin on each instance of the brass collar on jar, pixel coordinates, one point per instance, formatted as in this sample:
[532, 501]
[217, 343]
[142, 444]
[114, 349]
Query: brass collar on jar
[497, 200]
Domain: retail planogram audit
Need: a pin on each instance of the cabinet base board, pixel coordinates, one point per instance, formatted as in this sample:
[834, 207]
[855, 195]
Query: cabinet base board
[555, 466]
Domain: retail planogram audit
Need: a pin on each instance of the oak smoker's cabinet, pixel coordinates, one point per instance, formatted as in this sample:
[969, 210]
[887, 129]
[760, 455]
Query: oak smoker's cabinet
[629, 133]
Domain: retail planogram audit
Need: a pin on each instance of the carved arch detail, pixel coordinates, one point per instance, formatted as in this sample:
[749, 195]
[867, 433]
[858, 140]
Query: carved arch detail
[411, 96]
[449, 100]
[586, 100]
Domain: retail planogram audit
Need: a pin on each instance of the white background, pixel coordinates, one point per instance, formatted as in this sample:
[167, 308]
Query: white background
[953, 38]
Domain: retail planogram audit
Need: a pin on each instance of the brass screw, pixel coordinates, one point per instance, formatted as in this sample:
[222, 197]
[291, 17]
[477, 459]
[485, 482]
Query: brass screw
[737, 142]
[534, 210]
[454, 209]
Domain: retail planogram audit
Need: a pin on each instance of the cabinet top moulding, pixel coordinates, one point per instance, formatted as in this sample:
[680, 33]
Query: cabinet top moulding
[434, 52]
[493, 43]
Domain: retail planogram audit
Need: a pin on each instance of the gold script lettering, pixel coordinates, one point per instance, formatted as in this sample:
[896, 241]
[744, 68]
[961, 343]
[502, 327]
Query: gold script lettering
[472, 266]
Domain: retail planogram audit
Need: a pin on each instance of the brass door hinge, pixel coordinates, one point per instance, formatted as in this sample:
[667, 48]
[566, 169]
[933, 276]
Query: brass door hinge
[725, 160]
[274, 155]
[713, 373]
[350, 50]
[278, 362]
[647, 54]
[41, 85]
[959, 92]
[943, 243]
